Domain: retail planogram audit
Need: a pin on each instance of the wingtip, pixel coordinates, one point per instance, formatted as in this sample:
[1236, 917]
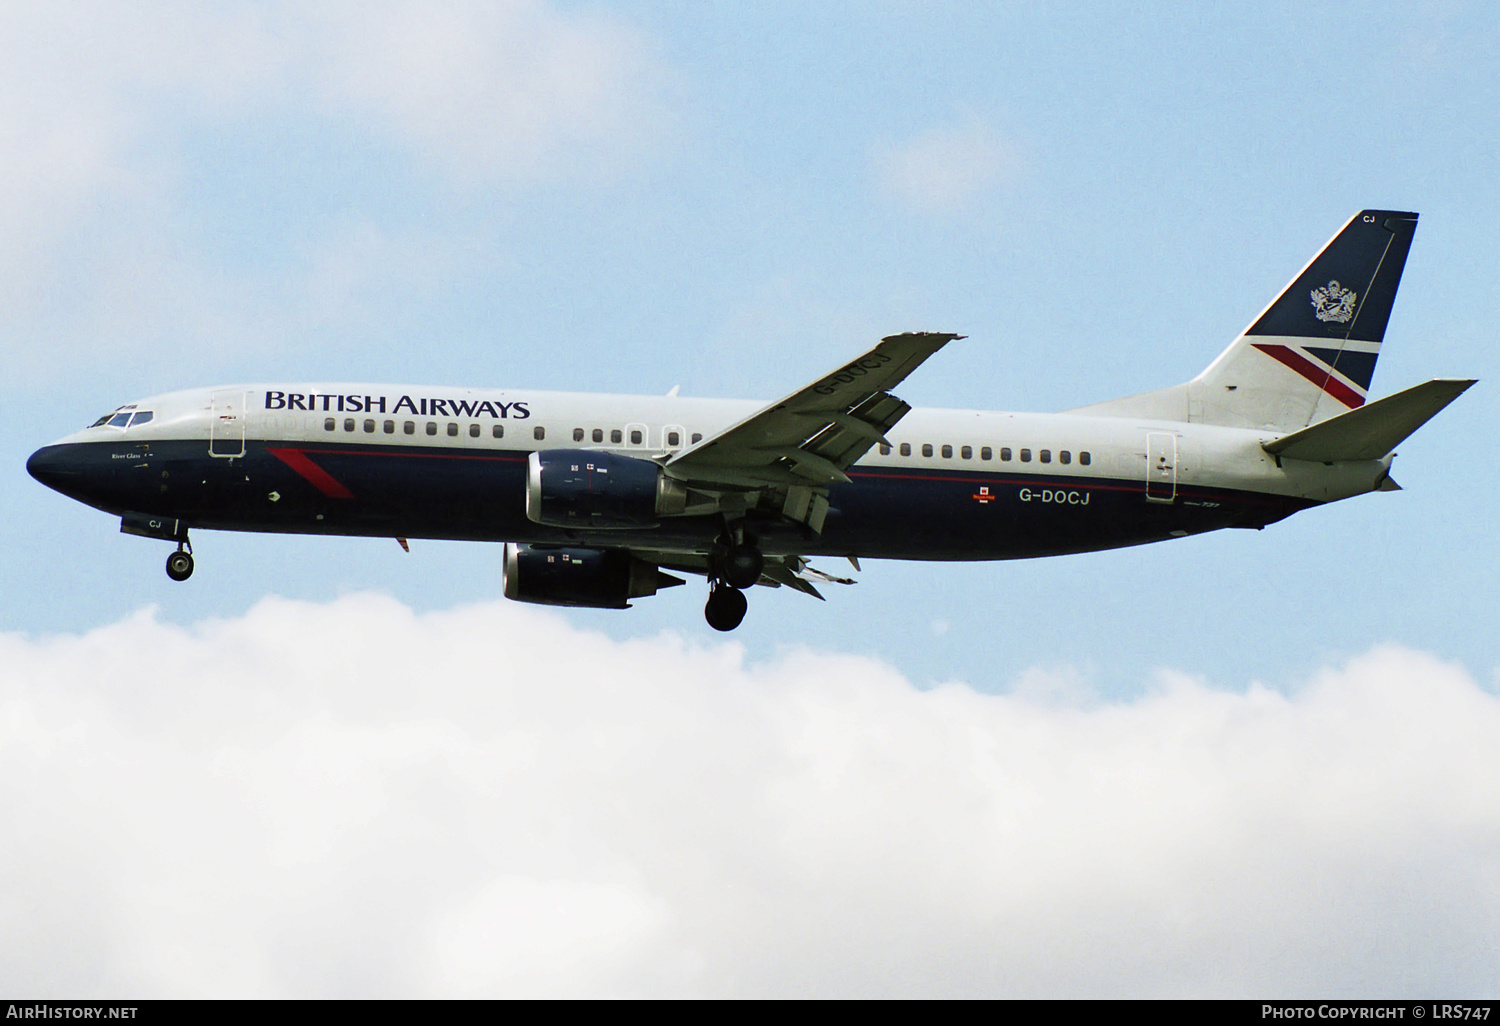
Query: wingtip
[1459, 385]
[946, 336]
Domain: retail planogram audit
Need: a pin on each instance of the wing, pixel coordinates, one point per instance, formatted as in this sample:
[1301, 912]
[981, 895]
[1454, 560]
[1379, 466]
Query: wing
[797, 446]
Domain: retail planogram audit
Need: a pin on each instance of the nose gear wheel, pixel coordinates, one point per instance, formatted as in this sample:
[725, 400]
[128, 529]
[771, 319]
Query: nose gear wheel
[180, 565]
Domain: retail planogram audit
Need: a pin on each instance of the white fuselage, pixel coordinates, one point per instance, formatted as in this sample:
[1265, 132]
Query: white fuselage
[466, 419]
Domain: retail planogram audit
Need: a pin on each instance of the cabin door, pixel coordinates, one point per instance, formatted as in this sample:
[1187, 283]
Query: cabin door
[226, 431]
[1161, 467]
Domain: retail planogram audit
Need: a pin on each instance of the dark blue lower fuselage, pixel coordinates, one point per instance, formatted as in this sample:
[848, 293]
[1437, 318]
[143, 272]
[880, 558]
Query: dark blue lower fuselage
[464, 494]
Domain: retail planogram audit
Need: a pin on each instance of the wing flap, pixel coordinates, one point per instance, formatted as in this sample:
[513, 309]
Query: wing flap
[780, 571]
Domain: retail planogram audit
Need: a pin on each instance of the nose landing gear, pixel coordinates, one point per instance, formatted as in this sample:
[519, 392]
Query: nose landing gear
[180, 563]
[147, 525]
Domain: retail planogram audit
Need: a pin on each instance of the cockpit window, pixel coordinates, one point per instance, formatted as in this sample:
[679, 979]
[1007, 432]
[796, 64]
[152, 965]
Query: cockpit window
[113, 417]
[142, 417]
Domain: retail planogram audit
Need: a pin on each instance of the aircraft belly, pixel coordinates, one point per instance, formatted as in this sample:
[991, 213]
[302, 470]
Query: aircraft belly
[386, 491]
[956, 516]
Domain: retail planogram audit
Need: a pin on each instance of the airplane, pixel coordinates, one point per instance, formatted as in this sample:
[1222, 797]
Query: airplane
[597, 497]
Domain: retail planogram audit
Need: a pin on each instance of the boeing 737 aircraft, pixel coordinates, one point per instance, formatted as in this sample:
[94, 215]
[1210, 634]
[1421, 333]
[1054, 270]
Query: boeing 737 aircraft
[596, 496]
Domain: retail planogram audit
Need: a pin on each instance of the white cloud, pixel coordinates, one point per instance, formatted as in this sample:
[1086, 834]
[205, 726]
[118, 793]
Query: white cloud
[87, 90]
[352, 799]
[945, 170]
[492, 88]
[102, 100]
[503, 87]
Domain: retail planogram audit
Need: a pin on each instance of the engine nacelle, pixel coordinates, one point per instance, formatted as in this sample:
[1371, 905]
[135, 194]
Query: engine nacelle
[595, 578]
[599, 491]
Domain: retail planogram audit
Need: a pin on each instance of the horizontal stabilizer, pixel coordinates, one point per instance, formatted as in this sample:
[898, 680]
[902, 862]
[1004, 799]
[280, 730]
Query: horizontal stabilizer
[1372, 430]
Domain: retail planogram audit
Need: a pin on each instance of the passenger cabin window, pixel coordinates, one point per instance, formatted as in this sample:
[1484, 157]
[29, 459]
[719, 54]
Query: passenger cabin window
[1004, 454]
[986, 453]
[885, 450]
[329, 424]
[1065, 457]
[539, 432]
[947, 452]
[498, 431]
[635, 438]
[452, 430]
[598, 435]
[1085, 459]
[926, 448]
[473, 430]
[906, 448]
[616, 437]
[697, 437]
[390, 427]
[432, 427]
[348, 423]
[369, 426]
[409, 428]
[673, 439]
[967, 452]
[578, 434]
[1046, 455]
[1025, 455]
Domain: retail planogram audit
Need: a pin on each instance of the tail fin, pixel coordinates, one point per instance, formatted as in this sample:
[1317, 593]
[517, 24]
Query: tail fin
[1310, 355]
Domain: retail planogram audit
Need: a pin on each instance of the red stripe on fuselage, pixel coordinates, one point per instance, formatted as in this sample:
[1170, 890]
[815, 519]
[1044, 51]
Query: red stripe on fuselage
[1324, 379]
[1091, 484]
[319, 478]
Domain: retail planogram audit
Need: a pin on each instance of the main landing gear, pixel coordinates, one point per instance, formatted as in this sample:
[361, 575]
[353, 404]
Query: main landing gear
[742, 566]
[736, 566]
[180, 563]
[726, 606]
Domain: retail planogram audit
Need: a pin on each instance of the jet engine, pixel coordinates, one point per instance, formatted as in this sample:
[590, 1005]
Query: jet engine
[592, 491]
[596, 578]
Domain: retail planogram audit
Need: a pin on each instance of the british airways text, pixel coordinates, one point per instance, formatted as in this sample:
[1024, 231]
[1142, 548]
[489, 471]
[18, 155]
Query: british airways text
[318, 402]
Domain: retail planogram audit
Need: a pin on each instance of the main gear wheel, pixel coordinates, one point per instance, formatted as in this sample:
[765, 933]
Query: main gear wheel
[726, 607]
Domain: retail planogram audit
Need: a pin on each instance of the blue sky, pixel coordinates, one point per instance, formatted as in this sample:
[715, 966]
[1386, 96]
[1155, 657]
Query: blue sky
[631, 197]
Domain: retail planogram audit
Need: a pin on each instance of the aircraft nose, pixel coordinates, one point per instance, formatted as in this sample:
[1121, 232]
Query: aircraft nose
[54, 467]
